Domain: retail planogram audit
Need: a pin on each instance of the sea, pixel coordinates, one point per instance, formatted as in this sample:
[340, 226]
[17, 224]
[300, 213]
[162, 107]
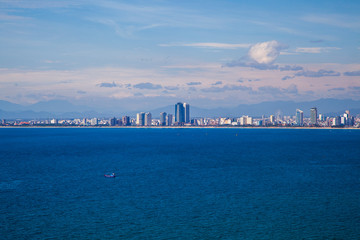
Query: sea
[179, 183]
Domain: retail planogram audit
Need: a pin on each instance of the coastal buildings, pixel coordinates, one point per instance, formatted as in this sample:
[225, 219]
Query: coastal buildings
[54, 121]
[186, 112]
[245, 121]
[313, 116]
[299, 117]
[144, 119]
[182, 118]
[148, 119]
[336, 121]
[112, 121]
[126, 121]
[272, 119]
[179, 113]
[347, 119]
[140, 119]
[169, 120]
[182, 113]
[94, 122]
[162, 118]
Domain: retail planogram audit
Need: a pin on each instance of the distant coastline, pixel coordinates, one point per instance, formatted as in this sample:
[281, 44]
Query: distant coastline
[185, 127]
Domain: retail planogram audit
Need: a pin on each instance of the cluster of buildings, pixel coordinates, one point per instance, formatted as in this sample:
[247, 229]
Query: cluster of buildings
[320, 120]
[182, 117]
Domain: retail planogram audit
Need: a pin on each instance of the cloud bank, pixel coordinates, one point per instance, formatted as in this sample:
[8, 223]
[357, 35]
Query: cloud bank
[107, 85]
[352, 74]
[315, 49]
[320, 73]
[147, 85]
[193, 83]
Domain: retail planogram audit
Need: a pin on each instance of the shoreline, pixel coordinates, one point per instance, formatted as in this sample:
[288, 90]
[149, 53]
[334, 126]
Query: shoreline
[184, 127]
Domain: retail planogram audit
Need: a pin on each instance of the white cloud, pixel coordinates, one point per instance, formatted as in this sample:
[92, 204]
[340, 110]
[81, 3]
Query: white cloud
[208, 45]
[288, 53]
[266, 52]
[7, 17]
[315, 49]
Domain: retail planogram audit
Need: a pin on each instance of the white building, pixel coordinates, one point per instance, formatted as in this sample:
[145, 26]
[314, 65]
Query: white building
[245, 120]
[140, 119]
[94, 122]
[148, 119]
[54, 121]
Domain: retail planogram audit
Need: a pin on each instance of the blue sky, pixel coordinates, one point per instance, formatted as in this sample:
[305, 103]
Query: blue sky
[136, 54]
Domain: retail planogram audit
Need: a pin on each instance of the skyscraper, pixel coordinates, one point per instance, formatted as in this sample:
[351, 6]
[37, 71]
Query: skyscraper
[148, 119]
[336, 121]
[272, 119]
[313, 116]
[94, 121]
[169, 119]
[299, 117]
[140, 119]
[112, 121]
[162, 118]
[186, 112]
[179, 113]
[126, 121]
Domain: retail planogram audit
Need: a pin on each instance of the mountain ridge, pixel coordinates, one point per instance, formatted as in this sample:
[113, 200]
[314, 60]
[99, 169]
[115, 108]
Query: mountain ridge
[66, 109]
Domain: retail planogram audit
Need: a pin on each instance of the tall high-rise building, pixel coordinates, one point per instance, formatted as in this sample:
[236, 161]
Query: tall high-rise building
[112, 121]
[169, 119]
[126, 121]
[272, 119]
[244, 120]
[336, 121]
[94, 122]
[148, 119]
[348, 119]
[162, 118]
[179, 113]
[140, 119]
[299, 117]
[54, 121]
[343, 120]
[313, 116]
[186, 112]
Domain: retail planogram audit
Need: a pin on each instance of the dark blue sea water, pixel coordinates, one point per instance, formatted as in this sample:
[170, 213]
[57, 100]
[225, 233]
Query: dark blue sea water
[179, 183]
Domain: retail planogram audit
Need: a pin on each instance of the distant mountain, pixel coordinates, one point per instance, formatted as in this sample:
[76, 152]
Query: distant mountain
[58, 106]
[8, 106]
[65, 109]
[24, 115]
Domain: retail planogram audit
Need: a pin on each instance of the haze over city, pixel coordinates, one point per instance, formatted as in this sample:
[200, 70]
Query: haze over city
[149, 54]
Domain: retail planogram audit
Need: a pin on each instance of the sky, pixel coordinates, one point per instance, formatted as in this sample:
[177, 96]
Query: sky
[147, 54]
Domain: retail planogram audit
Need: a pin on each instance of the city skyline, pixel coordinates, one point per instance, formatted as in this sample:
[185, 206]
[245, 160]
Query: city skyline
[344, 120]
[182, 118]
[210, 54]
